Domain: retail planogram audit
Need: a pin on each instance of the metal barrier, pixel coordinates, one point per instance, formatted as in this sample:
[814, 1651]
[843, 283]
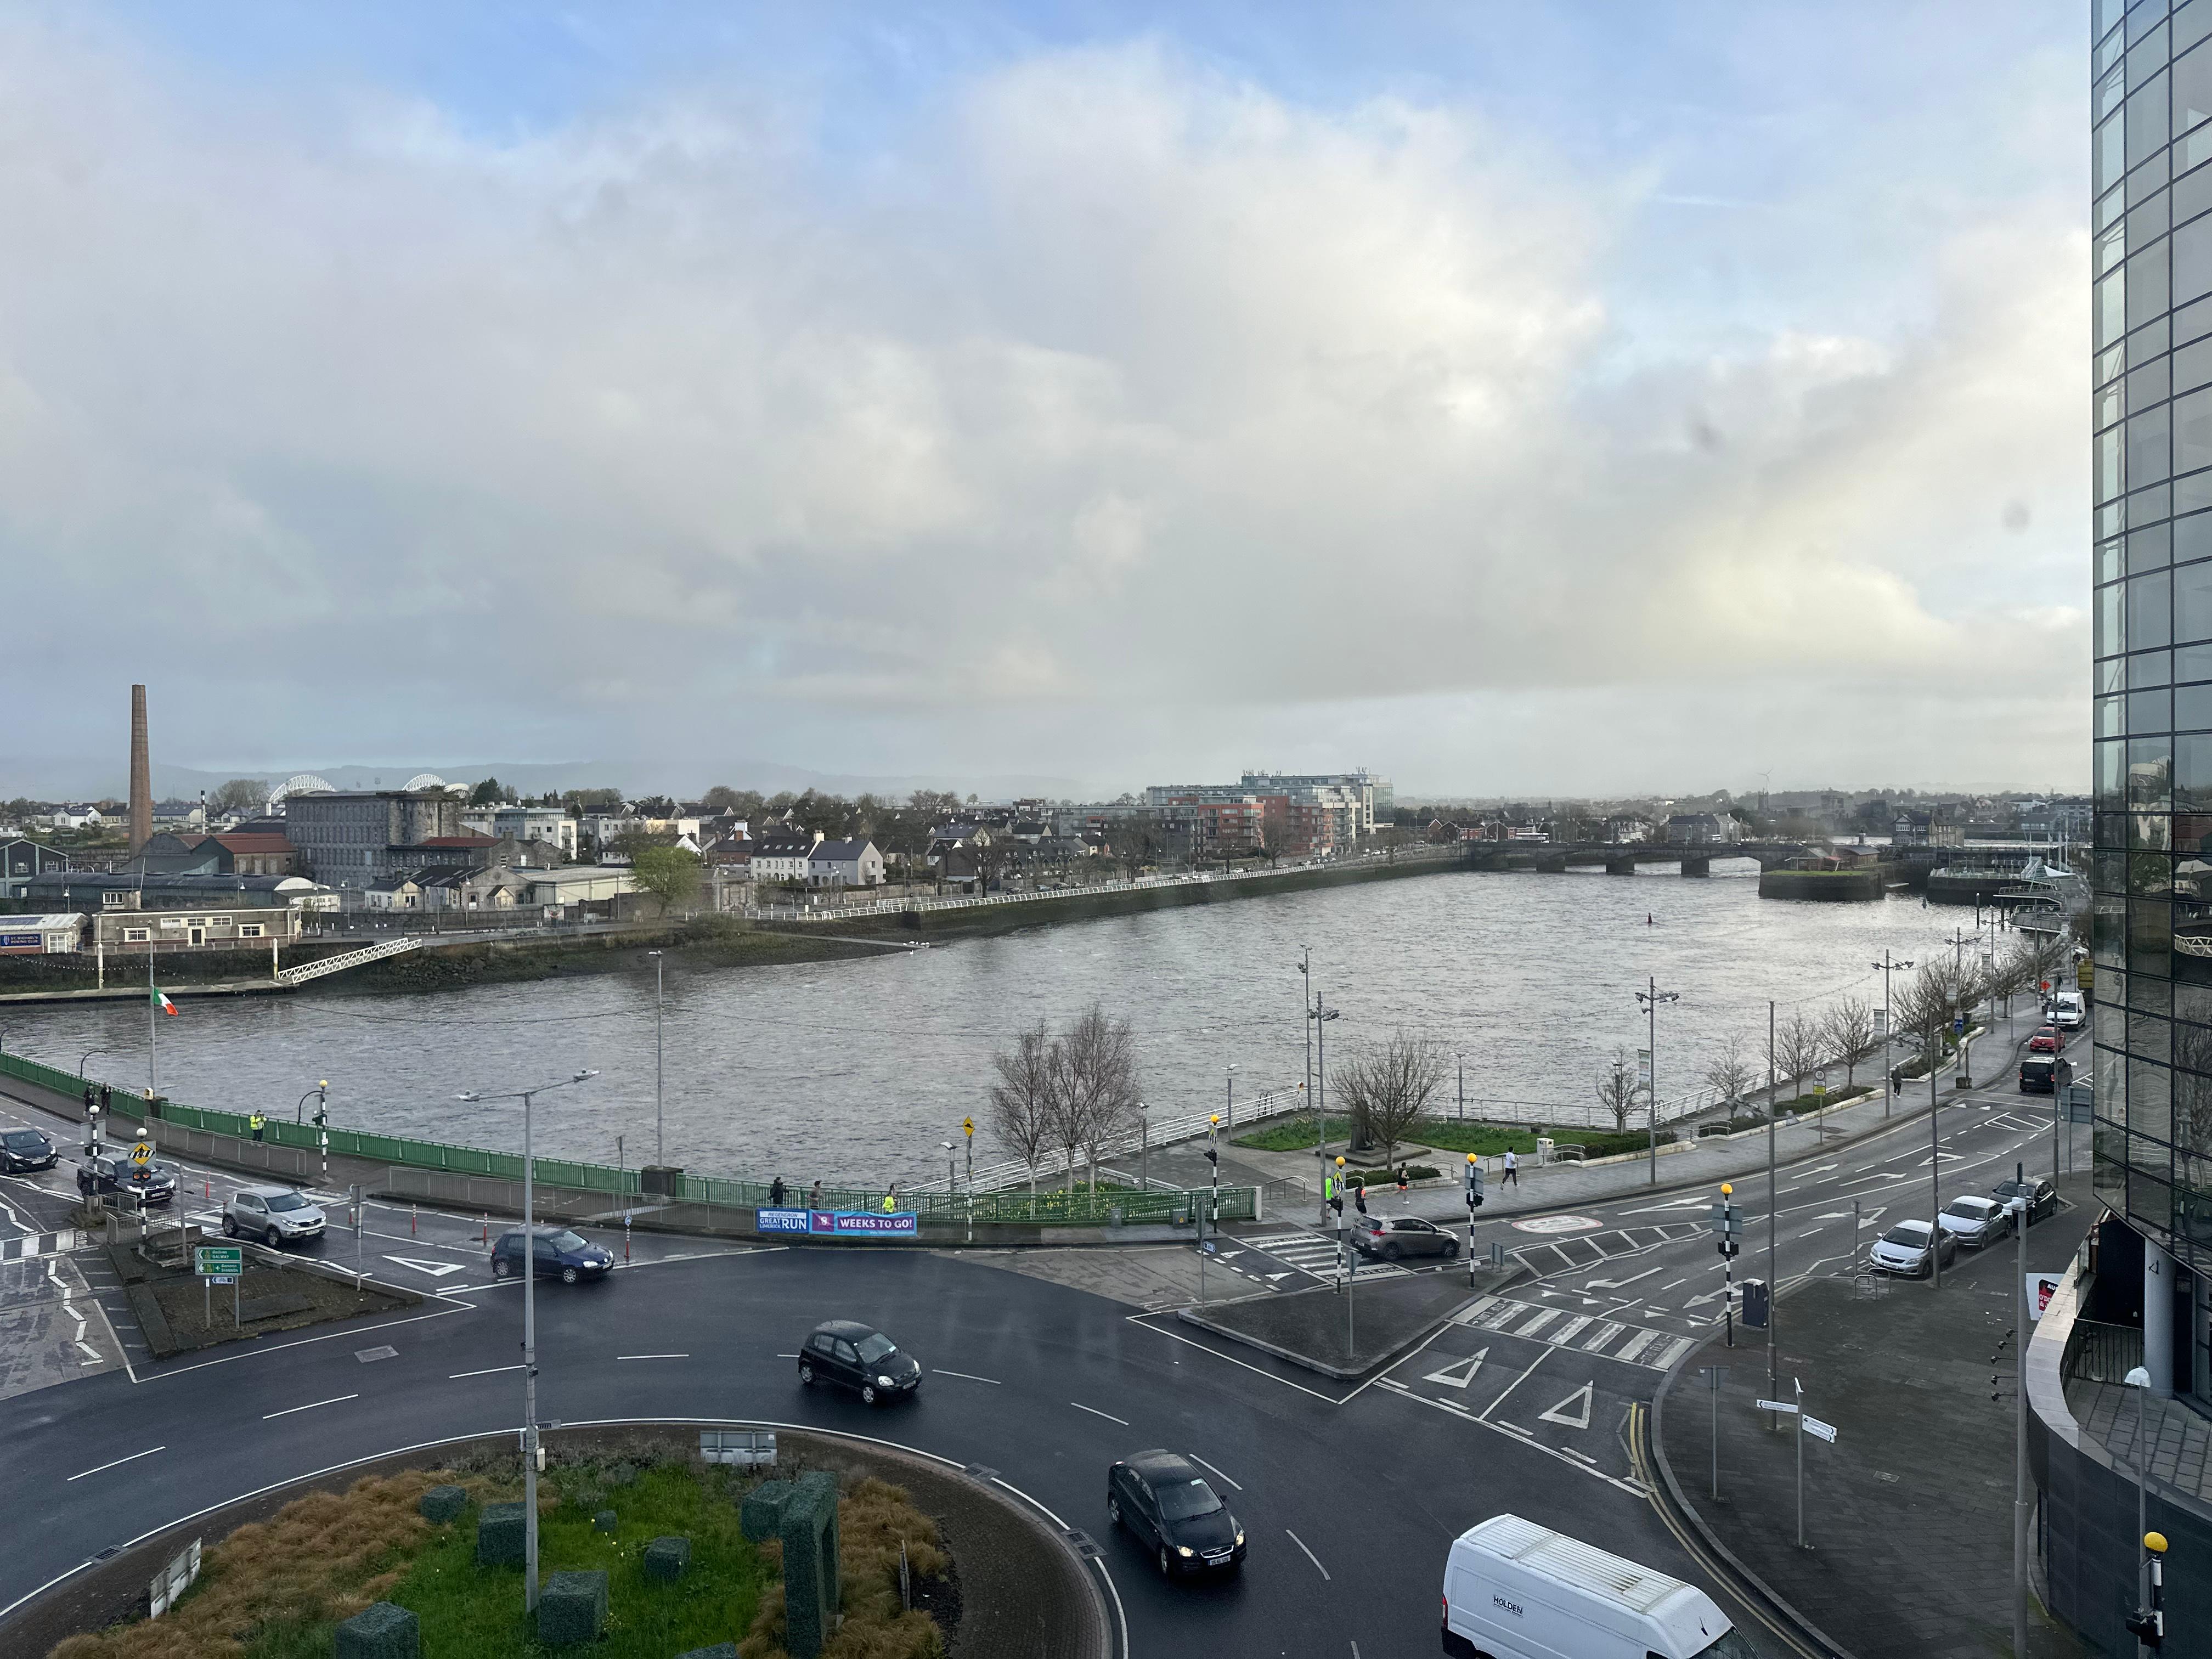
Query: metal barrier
[2101, 1353]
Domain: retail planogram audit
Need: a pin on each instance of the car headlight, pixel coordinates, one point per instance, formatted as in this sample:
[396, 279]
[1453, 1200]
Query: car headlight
[1240, 1534]
[885, 1382]
[1185, 1549]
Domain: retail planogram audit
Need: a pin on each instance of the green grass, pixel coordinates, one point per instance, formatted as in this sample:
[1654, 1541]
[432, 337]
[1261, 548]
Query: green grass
[1292, 1135]
[1295, 1135]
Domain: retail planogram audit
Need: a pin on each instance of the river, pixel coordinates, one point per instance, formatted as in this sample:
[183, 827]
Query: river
[856, 1070]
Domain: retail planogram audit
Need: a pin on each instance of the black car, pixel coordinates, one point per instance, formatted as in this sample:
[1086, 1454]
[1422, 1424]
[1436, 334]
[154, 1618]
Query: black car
[1161, 1497]
[2042, 1197]
[1392, 1238]
[26, 1149]
[2045, 1074]
[155, 1184]
[558, 1253]
[860, 1358]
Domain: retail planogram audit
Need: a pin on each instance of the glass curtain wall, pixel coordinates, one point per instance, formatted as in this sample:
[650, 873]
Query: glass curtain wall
[2151, 412]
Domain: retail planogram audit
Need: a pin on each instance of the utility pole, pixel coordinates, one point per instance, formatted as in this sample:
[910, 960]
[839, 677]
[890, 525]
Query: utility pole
[1461, 1055]
[1773, 1204]
[1232, 1100]
[660, 1151]
[2021, 1505]
[968, 1130]
[1321, 1015]
[1652, 996]
[1305, 1030]
[1888, 1022]
[1935, 1160]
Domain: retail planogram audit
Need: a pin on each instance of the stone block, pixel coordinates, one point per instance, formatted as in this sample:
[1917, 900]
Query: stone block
[761, 1515]
[720, 1651]
[572, 1608]
[810, 1564]
[442, 1504]
[382, 1632]
[603, 1521]
[668, 1558]
[500, 1541]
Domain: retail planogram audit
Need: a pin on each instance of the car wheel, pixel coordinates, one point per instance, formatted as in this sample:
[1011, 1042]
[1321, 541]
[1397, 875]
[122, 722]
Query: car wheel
[1390, 1252]
[806, 1375]
[568, 1275]
[1113, 1511]
[229, 1228]
[499, 1267]
[1167, 1563]
[1451, 1250]
[272, 1238]
[867, 1394]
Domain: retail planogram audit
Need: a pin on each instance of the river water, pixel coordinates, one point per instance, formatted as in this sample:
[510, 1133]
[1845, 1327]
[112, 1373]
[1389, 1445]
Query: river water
[856, 1070]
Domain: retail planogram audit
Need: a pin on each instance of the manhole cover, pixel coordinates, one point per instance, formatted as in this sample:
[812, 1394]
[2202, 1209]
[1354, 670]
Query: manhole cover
[1886, 1475]
[1085, 1545]
[365, 1355]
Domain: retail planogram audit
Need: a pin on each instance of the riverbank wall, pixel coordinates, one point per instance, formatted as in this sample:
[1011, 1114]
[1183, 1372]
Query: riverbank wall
[711, 942]
[1829, 884]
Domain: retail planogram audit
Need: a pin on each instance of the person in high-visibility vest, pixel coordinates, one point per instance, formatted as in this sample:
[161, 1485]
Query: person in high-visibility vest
[255, 1123]
[891, 1199]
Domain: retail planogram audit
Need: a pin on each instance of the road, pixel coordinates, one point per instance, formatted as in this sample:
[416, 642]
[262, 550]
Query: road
[1351, 1495]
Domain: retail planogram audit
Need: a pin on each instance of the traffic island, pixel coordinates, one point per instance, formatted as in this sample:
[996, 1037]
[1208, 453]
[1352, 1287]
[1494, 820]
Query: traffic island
[1347, 1333]
[180, 1312]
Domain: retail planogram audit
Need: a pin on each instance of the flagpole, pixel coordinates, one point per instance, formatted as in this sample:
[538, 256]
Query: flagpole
[152, 1025]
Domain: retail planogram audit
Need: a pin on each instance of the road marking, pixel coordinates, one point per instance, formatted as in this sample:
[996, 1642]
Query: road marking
[653, 1356]
[489, 1371]
[1460, 1375]
[1203, 1464]
[940, 1370]
[1670, 1284]
[1808, 1232]
[1094, 1411]
[335, 1400]
[1520, 1436]
[1619, 1284]
[436, 1269]
[1515, 1384]
[1311, 1556]
[1679, 1204]
[119, 1462]
[1558, 1413]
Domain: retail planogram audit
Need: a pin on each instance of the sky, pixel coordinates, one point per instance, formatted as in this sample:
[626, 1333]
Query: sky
[1568, 399]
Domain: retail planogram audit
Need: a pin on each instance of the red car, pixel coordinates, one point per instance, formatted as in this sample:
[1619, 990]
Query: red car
[2047, 1040]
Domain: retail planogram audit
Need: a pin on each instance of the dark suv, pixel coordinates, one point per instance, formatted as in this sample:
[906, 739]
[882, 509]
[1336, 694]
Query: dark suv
[860, 1358]
[156, 1184]
[26, 1149]
[1392, 1238]
[2042, 1197]
[1161, 1497]
[559, 1254]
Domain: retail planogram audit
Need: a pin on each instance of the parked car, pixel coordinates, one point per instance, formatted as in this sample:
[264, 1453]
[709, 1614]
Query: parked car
[1164, 1499]
[1904, 1249]
[2047, 1040]
[557, 1253]
[2042, 1197]
[26, 1149]
[2045, 1074]
[1514, 1591]
[115, 1173]
[276, 1216]
[1976, 1221]
[1391, 1238]
[2068, 1011]
[860, 1357]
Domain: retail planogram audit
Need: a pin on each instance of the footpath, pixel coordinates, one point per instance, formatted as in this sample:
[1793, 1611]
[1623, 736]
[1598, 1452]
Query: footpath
[1908, 1513]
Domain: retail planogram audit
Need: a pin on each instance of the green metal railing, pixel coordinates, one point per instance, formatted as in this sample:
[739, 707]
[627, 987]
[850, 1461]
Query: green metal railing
[1049, 1206]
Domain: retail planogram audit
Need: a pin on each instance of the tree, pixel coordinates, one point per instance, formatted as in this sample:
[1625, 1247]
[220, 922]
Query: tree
[239, 795]
[1096, 1086]
[1274, 834]
[1617, 1089]
[1729, 1073]
[1022, 1104]
[1847, 1032]
[1388, 1087]
[1136, 841]
[656, 807]
[670, 873]
[1795, 1048]
[490, 792]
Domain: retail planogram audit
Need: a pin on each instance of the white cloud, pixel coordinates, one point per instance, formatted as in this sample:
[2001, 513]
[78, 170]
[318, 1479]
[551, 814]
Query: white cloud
[1124, 390]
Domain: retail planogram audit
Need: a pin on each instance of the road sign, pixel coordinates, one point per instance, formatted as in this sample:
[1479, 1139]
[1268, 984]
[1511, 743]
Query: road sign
[1777, 1406]
[222, 1278]
[2040, 1289]
[1818, 1430]
[209, 1260]
[142, 1153]
[967, 1125]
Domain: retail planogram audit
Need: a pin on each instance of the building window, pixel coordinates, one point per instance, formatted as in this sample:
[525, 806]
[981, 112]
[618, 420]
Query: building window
[252, 930]
[115, 898]
[134, 936]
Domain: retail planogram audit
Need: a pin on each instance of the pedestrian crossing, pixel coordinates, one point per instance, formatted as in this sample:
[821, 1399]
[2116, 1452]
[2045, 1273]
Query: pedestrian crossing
[1313, 1253]
[1609, 1339]
[40, 1244]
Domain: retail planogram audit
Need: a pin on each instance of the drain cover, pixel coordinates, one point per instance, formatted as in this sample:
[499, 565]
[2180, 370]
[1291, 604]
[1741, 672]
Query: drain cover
[1085, 1545]
[983, 1472]
[365, 1355]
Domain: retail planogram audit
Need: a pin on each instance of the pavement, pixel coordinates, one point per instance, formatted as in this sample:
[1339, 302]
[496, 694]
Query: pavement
[1908, 1513]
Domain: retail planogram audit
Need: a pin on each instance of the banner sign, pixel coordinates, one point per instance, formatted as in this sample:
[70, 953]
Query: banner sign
[2041, 1287]
[840, 1223]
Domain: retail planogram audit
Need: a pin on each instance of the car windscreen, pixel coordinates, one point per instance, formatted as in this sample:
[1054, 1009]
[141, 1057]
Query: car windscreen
[24, 1140]
[288, 1202]
[875, 1345]
[1180, 1500]
[1733, 1645]
[566, 1241]
[1966, 1209]
[1913, 1236]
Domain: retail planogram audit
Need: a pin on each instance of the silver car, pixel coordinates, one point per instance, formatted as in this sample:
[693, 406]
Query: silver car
[1904, 1249]
[276, 1216]
[1976, 1221]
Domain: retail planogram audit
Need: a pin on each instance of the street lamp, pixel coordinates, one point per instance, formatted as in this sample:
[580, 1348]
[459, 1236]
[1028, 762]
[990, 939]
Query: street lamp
[951, 1183]
[659, 1152]
[529, 1334]
[1232, 1100]
[1144, 1148]
[300, 1111]
[1652, 996]
[2139, 1379]
[88, 1054]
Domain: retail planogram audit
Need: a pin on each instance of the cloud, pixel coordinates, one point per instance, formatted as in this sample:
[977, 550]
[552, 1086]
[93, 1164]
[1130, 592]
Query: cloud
[1118, 388]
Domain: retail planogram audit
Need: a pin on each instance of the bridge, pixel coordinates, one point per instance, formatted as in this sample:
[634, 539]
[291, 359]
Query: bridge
[1621, 858]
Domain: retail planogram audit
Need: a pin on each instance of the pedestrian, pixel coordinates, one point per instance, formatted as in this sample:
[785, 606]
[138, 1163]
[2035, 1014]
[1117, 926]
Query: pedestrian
[1401, 1180]
[1512, 1169]
[256, 1123]
[814, 1196]
[1360, 1197]
[891, 1199]
[775, 1193]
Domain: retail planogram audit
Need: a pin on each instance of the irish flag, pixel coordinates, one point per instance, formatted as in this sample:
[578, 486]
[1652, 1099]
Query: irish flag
[161, 1001]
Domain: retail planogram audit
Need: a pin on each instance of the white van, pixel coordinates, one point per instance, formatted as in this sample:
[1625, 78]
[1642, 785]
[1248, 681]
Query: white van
[2067, 1012]
[1515, 1590]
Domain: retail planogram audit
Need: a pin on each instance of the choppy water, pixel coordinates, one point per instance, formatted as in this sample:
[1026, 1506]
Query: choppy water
[857, 1069]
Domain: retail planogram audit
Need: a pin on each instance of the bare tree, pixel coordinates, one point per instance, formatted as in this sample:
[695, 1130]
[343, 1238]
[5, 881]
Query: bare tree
[1617, 1089]
[1387, 1086]
[1939, 994]
[1096, 1084]
[1848, 1033]
[1729, 1073]
[1021, 1108]
[1796, 1048]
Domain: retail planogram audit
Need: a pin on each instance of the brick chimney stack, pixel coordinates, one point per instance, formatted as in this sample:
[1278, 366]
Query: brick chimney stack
[142, 774]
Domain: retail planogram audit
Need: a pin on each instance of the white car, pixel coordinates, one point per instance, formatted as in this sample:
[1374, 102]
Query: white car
[1976, 1221]
[2068, 1012]
[1904, 1249]
[276, 1216]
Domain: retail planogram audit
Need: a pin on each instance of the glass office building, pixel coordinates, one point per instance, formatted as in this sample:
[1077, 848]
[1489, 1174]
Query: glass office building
[2151, 401]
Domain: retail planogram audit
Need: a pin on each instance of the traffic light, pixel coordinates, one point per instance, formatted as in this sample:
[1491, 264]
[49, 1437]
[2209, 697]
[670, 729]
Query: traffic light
[1213, 1157]
[1727, 1221]
[1473, 1182]
[1336, 1203]
[2148, 1625]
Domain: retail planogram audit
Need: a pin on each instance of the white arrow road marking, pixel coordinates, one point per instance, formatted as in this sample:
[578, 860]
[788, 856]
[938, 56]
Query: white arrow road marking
[1558, 1413]
[1678, 1204]
[1709, 1296]
[1459, 1375]
[436, 1269]
[1616, 1284]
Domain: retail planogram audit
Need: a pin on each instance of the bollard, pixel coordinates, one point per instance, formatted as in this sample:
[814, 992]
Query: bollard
[487, 1229]
[411, 1221]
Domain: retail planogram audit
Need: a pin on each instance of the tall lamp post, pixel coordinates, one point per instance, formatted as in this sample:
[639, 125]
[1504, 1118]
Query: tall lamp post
[1321, 1015]
[87, 1060]
[1232, 1100]
[1652, 996]
[659, 1152]
[529, 1333]
[1886, 965]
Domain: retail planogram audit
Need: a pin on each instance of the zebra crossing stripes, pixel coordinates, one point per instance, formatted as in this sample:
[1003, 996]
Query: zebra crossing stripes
[1312, 1253]
[1633, 1345]
[40, 1244]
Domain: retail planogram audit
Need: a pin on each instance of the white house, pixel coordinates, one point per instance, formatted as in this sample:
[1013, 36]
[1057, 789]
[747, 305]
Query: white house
[549, 824]
[40, 935]
[783, 854]
[75, 818]
[393, 892]
[842, 864]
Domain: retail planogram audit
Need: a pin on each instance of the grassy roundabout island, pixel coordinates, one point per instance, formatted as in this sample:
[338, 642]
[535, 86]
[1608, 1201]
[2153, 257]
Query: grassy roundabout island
[280, 1588]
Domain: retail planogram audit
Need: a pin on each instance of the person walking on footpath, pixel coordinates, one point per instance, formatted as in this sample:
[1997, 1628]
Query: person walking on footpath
[891, 1199]
[256, 1123]
[1512, 1170]
[775, 1193]
[814, 1196]
[1360, 1197]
